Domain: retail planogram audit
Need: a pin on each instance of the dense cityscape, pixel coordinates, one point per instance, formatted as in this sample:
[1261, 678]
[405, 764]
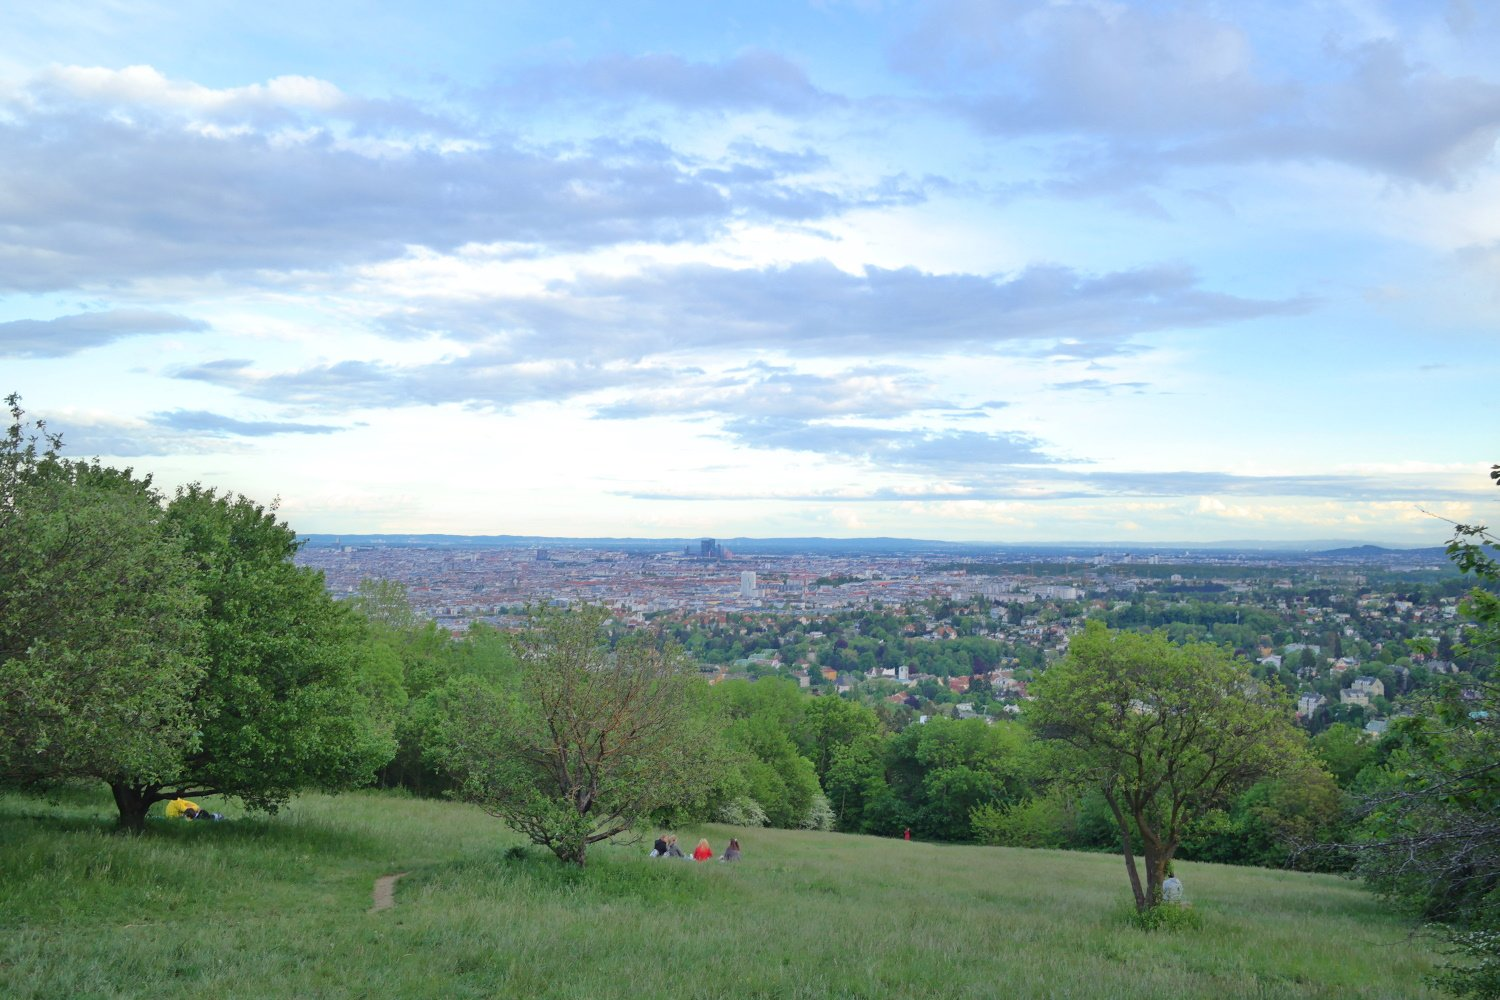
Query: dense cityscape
[1352, 634]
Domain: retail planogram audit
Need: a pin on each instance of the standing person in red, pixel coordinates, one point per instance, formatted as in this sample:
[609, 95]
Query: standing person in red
[703, 852]
[907, 834]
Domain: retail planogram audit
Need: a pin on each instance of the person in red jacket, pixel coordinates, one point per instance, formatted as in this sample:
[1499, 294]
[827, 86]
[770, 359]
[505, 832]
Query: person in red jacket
[703, 852]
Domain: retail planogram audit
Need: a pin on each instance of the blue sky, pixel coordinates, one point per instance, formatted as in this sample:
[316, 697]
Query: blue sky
[1004, 271]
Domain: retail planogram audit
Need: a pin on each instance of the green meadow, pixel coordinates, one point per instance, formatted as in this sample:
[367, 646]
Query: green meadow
[281, 907]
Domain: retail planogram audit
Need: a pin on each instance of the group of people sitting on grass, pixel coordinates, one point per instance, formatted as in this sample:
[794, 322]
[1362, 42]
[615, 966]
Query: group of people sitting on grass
[666, 847]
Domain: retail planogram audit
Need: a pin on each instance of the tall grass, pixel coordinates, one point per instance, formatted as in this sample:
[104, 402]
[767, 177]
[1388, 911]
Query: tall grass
[278, 907]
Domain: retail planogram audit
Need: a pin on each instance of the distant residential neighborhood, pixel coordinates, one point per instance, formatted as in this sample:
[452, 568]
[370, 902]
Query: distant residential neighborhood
[1352, 635]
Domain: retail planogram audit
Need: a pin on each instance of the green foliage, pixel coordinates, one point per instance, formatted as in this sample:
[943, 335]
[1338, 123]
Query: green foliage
[963, 764]
[99, 631]
[928, 777]
[819, 815]
[386, 606]
[778, 777]
[1166, 732]
[430, 668]
[825, 724]
[1275, 823]
[1430, 837]
[855, 782]
[1034, 822]
[761, 718]
[1059, 818]
[1169, 917]
[434, 672]
[1476, 973]
[742, 811]
[379, 681]
[1345, 752]
[279, 706]
[590, 741]
[1431, 830]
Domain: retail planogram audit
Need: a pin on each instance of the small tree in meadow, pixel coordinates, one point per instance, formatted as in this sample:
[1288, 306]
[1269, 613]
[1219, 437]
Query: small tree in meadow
[589, 740]
[1166, 732]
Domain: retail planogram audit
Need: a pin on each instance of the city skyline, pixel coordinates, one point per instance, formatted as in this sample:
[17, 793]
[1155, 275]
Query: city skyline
[969, 271]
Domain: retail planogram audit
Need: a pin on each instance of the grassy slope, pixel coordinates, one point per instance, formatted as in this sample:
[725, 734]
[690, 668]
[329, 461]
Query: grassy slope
[278, 907]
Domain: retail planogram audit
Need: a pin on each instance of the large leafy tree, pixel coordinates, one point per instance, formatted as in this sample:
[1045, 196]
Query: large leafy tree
[761, 719]
[589, 740]
[937, 774]
[99, 632]
[279, 706]
[1165, 732]
[427, 666]
[856, 787]
[777, 777]
[933, 778]
[829, 723]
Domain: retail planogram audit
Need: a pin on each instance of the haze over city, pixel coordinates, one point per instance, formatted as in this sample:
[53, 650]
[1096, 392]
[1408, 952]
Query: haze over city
[1007, 271]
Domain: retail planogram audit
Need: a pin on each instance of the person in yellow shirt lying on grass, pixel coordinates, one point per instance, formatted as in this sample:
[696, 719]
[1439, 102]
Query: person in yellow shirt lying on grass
[180, 808]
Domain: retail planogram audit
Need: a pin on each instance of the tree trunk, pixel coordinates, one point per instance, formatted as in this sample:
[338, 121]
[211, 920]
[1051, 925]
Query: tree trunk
[1142, 901]
[1157, 854]
[132, 803]
[1155, 867]
[1157, 859]
[570, 852]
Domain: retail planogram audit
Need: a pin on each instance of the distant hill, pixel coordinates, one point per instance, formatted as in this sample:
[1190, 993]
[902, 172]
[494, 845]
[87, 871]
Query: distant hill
[1380, 552]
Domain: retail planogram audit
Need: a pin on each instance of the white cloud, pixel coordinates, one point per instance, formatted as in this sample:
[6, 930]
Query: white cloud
[147, 86]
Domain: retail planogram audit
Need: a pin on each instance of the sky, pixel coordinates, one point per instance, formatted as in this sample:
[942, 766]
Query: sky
[1005, 271]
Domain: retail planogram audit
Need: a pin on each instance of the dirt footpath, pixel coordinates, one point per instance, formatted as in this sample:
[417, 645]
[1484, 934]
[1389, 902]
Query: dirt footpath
[385, 892]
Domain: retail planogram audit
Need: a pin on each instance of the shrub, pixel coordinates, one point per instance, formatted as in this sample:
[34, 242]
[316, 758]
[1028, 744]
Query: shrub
[743, 811]
[1167, 917]
[819, 814]
[1039, 822]
[1477, 972]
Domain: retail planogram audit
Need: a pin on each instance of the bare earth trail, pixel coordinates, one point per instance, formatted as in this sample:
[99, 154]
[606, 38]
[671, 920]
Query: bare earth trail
[385, 892]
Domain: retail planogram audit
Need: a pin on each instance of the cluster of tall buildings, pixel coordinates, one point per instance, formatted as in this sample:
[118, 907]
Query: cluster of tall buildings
[708, 548]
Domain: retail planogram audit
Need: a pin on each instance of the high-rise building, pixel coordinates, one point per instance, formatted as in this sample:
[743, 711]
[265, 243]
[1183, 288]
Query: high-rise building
[708, 548]
[747, 584]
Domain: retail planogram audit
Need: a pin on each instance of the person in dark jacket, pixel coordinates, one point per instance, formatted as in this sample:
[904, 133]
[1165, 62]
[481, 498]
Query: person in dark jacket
[732, 852]
[659, 849]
